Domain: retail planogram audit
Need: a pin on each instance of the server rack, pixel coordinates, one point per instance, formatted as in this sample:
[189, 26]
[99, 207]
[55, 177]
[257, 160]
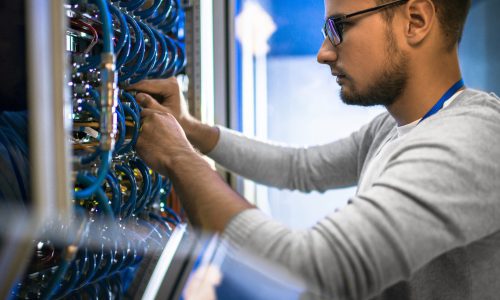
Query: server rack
[102, 224]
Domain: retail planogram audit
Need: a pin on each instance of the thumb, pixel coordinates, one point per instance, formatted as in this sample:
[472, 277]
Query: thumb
[146, 101]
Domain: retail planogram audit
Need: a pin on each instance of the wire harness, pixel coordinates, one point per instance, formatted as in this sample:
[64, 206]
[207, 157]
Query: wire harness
[122, 207]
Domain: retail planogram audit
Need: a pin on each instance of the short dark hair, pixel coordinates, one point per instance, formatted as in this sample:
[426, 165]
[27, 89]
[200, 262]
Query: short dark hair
[451, 14]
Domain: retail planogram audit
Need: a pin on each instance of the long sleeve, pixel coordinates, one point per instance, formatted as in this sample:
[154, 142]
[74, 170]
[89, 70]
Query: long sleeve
[319, 168]
[438, 193]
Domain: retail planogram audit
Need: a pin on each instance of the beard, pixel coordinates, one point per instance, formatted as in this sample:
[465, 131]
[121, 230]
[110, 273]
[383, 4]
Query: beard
[389, 84]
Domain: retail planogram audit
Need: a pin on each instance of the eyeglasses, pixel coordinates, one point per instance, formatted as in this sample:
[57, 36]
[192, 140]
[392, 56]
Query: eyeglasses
[334, 26]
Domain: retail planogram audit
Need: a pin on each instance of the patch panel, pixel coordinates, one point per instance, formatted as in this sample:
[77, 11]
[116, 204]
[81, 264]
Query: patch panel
[122, 209]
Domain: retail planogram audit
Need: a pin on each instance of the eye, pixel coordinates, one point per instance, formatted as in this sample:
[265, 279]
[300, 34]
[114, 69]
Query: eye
[342, 26]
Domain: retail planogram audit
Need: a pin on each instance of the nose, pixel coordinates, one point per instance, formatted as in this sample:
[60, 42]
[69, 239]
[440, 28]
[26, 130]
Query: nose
[327, 53]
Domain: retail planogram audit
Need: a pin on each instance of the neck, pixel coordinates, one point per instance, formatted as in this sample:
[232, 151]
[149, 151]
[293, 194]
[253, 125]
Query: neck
[424, 88]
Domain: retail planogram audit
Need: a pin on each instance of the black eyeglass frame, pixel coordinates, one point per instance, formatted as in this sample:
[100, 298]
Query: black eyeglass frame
[333, 27]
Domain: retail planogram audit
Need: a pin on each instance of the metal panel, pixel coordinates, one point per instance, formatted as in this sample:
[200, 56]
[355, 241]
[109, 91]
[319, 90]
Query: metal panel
[48, 104]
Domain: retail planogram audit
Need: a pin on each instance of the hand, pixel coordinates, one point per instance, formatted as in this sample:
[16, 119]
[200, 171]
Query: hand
[161, 140]
[167, 94]
[166, 97]
[203, 283]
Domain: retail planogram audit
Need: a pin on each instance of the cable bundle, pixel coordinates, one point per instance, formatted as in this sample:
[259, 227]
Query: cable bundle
[112, 44]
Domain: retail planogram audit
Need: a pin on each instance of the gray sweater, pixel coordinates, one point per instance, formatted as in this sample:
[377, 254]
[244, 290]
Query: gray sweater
[427, 228]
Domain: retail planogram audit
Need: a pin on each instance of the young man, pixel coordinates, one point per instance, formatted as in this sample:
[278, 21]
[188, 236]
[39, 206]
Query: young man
[425, 221]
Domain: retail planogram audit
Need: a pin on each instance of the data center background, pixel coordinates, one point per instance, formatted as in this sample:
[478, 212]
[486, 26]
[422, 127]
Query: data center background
[40, 263]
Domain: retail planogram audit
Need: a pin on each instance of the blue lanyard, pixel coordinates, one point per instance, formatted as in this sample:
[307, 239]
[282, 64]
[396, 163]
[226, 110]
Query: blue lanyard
[439, 105]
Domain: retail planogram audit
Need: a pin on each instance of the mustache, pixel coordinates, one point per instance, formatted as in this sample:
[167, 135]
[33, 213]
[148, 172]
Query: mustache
[335, 71]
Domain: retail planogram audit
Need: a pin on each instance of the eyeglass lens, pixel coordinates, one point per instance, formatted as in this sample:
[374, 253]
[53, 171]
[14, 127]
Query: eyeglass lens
[332, 32]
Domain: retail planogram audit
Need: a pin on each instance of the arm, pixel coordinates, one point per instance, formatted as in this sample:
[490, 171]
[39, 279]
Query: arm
[320, 168]
[209, 202]
[294, 168]
[434, 196]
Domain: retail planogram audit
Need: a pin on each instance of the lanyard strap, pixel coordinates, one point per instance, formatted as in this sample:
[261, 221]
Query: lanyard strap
[455, 88]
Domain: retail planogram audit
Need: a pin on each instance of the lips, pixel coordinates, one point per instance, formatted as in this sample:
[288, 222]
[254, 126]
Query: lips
[340, 77]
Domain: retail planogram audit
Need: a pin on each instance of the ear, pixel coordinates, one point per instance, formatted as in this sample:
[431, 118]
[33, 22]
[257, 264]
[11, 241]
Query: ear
[420, 18]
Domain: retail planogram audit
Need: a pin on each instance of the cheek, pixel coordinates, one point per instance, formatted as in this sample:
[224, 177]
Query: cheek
[365, 56]
[365, 63]
[363, 66]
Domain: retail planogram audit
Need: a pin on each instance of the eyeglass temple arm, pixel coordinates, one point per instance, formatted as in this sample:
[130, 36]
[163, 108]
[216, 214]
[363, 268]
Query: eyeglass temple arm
[387, 5]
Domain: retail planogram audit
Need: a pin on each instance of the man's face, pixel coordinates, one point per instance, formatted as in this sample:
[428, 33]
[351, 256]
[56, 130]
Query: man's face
[368, 64]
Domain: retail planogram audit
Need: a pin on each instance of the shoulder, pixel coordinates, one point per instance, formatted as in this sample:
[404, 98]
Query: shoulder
[469, 127]
[471, 114]
[473, 104]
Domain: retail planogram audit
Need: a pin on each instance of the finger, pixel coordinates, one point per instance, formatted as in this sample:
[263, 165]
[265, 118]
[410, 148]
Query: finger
[146, 101]
[145, 117]
[152, 86]
[148, 112]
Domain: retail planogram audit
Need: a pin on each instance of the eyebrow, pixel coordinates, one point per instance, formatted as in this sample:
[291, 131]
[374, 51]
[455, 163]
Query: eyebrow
[371, 9]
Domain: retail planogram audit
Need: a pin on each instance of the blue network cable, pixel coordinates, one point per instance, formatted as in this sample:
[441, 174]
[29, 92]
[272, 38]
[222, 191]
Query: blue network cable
[163, 56]
[173, 17]
[131, 5]
[181, 34]
[160, 220]
[167, 187]
[123, 33]
[138, 38]
[131, 254]
[95, 95]
[141, 52]
[146, 185]
[137, 53]
[181, 60]
[56, 279]
[90, 109]
[120, 256]
[133, 103]
[84, 160]
[136, 109]
[14, 157]
[107, 26]
[88, 267]
[108, 47]
[116, 198]
[93, 187]
[135, 134]
[150, 61]
[107, 33]
[69, 281]
[95, 261]
[123, 45]
[128, 207]
[176, 220]
[105, 267]
[122, 129]
[68, 262]
[93, 62]
[162, 14]
[153, 235]
[155, 191]
[173, 55]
